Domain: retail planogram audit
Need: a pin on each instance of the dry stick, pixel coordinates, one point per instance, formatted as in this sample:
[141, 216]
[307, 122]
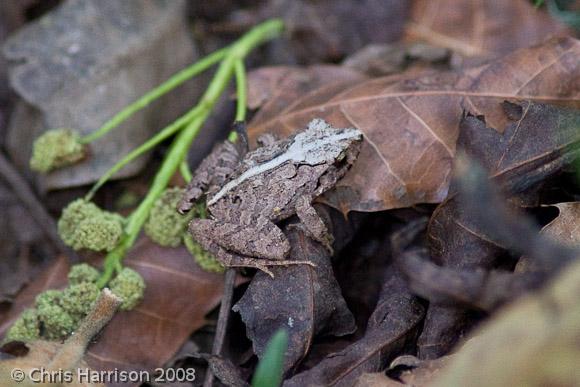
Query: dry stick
[74, 348]
[223, 319]
[25, 194]
[230, 277]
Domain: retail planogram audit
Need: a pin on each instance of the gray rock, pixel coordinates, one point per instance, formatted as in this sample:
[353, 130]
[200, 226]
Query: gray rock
[83, 62]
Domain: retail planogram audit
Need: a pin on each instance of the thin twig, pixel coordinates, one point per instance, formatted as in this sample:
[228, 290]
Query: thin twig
[223, 320]
[75, 346]
[25, 194]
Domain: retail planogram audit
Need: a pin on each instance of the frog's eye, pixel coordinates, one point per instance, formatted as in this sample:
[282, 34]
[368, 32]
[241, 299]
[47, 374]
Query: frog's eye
[341, 156]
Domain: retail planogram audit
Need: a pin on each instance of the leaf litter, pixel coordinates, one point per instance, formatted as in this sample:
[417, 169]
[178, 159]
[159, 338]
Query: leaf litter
[516, 116]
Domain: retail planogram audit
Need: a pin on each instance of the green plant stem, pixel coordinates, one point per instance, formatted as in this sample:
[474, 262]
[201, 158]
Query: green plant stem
[258, 35]
[176, 80]
[242, 96]
[164, 134]
[241, 90]
[185, 171]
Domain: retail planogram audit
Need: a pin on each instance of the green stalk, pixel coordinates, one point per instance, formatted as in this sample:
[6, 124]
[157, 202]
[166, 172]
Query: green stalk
[178, 150]
[176, 80]
[185, 171]
[164, 134]
[242, 96]
[241, 90]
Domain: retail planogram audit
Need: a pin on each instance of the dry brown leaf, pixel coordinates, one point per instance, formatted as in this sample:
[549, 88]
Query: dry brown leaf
[284, 84]
[305, 301]
[59, 364]
[178, 296]
[411, 125]
[533, 342]
[275, 88]
[565, 228]
[53, 277]
[480, 28]
[40, 353]
[393, 323]
[538, 143]
[420, 373]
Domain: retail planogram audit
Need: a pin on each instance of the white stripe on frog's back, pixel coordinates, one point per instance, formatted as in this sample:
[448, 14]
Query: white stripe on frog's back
[316, 145]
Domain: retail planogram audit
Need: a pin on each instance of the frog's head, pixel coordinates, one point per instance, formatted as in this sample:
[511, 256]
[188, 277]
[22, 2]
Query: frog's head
[322, 143]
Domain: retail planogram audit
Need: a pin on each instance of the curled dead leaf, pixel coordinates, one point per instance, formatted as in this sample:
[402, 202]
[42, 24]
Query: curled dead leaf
[544, 328]
[411, 124]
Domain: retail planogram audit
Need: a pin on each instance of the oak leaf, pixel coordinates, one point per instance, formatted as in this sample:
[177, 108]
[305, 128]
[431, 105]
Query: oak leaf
[411, 124]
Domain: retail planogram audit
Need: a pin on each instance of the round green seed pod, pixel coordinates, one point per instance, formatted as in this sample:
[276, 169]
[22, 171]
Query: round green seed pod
[204, 259]
[165, 225]
[83, 225]
[129, 286]
[81, 273]
[72, 215]
[48, 298]
[78, 299]
[55, 322]
[25, 328]
[55, 149]
[98, 234]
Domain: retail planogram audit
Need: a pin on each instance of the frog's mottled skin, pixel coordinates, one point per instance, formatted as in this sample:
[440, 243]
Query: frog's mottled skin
[270, 184]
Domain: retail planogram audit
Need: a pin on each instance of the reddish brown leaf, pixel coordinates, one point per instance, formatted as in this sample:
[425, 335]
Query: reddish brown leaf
[480, 28]
[284, 84]
[52, 278]
[177, 297]
[275, 88]
[411, 125]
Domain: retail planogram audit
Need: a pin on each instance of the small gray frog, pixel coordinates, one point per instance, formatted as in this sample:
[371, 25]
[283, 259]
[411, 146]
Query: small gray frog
[247, 196]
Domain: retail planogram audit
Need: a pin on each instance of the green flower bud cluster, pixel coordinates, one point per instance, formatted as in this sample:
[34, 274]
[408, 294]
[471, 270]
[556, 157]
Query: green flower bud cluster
[165, 225]
[204, 259]
[55, 149]
[130, 286]
[57, 313]
[83, 225]
[25, 328]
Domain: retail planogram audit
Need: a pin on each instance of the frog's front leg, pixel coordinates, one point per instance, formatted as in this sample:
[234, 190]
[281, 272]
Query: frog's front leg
[266, 139]
[213, 171]
[312, 224]
[259, 238]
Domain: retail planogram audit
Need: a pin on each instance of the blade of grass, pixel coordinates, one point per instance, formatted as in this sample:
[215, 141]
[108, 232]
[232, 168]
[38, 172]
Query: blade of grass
[269, 370]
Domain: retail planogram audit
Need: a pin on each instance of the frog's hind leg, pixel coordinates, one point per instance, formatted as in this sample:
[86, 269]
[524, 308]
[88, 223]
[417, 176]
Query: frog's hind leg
[259, 238]
[312, 224]
[230, 259]
[262, 264]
